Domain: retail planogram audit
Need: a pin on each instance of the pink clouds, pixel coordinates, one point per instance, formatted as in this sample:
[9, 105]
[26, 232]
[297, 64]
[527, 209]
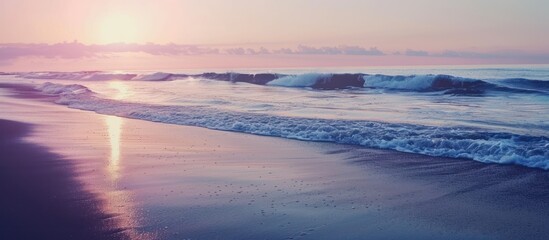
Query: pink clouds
[343, 55]
[78, 50]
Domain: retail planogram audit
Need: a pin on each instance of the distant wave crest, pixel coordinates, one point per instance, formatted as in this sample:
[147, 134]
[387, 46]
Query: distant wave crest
[445, 84]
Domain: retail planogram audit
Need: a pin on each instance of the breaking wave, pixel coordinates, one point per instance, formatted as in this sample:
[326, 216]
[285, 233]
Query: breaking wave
[456, 142]
[446, 84]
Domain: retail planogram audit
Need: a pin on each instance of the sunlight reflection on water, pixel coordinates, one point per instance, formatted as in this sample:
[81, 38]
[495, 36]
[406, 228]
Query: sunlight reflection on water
[122, 90]
[114, 130]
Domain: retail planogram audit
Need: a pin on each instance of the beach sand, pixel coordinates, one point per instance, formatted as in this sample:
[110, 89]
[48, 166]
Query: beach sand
[41, 198]
[165, 181]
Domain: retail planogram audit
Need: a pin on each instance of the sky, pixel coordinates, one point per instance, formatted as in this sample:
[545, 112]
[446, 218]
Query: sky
[181, 34]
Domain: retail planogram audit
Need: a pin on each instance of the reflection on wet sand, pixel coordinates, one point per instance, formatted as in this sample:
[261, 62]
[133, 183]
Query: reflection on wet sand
[118, 200]
[114, 130]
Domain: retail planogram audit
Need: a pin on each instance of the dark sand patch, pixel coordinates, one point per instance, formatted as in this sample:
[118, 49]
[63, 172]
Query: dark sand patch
[41, 198]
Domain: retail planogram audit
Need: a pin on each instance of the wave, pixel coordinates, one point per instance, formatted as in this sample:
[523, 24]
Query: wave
[445, 84]
[304, 80]
[456, 142]
[58, 75]
[158, 76]
[98, 76]
[528, 84]
[428, 83]
[63, 90]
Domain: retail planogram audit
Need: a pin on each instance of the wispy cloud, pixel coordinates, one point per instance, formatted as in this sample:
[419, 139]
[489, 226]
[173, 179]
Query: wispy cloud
[61, 50]
[75, 50]
[79, 50]
[246, 51]
[516, 55]
[339, 50]
[416, 53]
[151, 48]
[307, 50]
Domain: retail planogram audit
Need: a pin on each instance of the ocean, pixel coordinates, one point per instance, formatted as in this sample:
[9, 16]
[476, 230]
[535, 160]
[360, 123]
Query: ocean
[490, 114]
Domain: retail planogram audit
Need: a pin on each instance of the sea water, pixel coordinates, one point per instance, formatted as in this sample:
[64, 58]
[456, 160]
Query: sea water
[494, 114]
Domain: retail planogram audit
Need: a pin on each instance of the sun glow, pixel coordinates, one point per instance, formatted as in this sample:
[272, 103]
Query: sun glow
[118, 27]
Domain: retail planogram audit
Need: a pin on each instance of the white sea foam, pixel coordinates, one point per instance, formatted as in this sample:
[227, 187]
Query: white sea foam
[413, 82]
[457, 142]
[399, 82]
[109, 76]
[158, 76]
[59, 89]
[56, 75]
[303, 80]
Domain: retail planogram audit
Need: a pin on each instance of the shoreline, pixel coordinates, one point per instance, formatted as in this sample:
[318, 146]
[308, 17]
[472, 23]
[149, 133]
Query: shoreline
[188, 182]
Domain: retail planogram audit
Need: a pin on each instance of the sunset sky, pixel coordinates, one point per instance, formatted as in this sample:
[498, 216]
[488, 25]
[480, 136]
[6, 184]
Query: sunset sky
[171, 34]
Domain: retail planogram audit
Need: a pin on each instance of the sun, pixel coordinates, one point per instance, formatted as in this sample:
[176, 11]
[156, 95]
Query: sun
[118, 27]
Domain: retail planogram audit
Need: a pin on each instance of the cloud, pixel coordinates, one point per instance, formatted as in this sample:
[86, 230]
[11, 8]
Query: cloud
[355, 50]
[246, 51]
[340, 50]
[306, 50]
[154, 49]
[76, 50]
[416, 53]
[283, 51]
[465, 54]
[62, 50]
[539, 57]
[507, 55]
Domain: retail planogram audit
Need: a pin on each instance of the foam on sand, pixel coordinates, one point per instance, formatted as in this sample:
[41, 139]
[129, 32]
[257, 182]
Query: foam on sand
[457, 142]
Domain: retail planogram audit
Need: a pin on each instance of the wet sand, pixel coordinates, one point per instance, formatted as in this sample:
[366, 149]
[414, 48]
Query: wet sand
[177, 182]
[41, 198]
